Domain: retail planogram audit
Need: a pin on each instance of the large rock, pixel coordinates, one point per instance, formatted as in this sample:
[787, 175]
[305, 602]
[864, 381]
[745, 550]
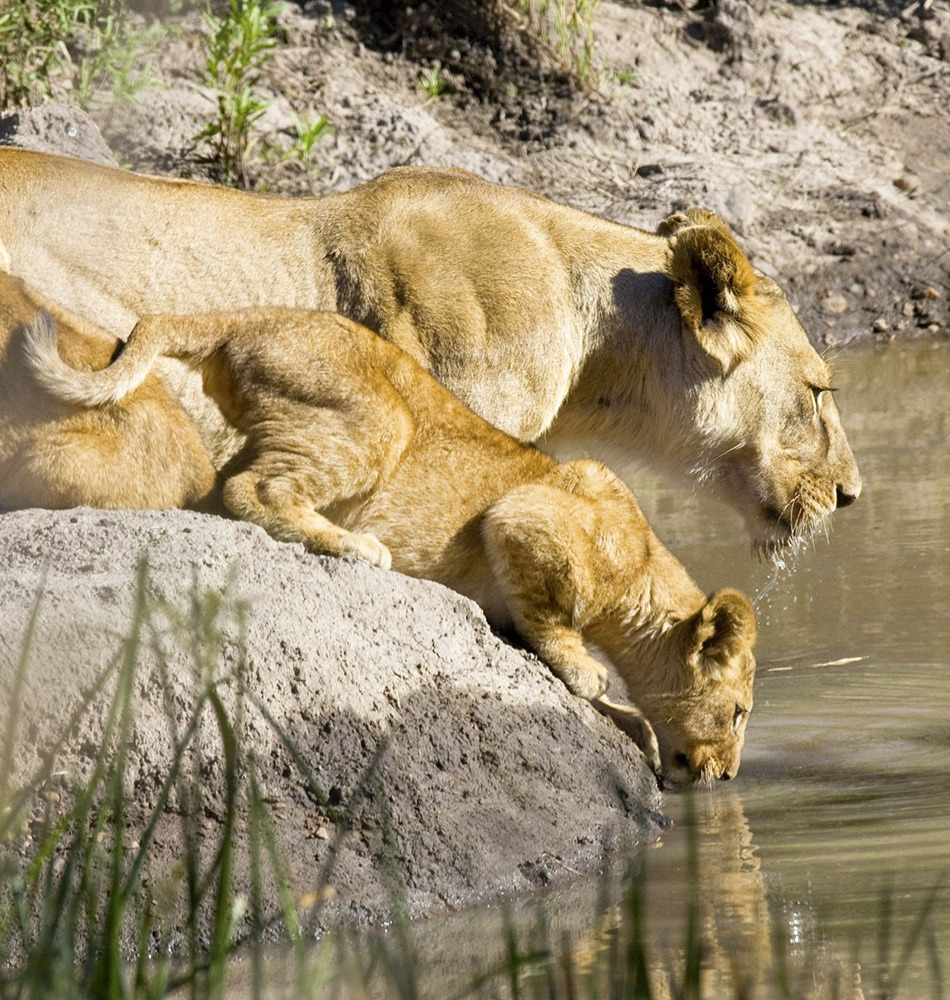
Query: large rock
[55, 128]
[492, 778]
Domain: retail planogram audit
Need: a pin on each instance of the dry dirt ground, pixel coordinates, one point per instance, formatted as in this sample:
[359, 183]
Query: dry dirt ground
[820, 131]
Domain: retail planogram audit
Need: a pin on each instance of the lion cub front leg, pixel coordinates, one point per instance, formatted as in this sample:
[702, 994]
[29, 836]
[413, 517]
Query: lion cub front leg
[285, 508]
[532, 562]
[636, 725]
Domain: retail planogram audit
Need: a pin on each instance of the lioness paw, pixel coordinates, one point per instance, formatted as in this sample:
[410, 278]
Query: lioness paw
[367, 547]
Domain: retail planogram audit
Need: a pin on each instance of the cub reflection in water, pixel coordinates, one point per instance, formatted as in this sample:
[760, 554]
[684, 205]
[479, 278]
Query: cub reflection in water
[709, 860]
[353, 449]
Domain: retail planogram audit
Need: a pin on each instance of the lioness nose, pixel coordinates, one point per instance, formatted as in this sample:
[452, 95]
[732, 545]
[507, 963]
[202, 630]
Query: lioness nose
[725, 776]
[845, 498]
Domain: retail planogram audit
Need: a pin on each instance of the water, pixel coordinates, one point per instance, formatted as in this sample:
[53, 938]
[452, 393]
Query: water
[844, 792]
[843, 799]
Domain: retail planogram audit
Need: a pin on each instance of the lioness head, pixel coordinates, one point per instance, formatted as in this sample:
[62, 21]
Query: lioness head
[700, 719]
[768, 436]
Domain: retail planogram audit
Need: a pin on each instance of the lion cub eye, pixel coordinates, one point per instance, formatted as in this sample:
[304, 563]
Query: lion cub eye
[737, 716]
[817, 391]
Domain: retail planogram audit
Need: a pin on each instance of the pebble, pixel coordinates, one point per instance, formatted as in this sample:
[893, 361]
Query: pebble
[907, 183]
[880, 325]
[908, 309]
[835, 304]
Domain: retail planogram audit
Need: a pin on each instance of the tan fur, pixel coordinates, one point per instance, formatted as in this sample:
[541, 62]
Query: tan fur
[352, 448]
[142, 452]
[549, 322]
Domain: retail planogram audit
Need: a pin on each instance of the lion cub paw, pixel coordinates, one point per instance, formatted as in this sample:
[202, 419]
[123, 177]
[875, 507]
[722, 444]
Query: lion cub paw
[636, 725]
[588, 681]
[367, 547]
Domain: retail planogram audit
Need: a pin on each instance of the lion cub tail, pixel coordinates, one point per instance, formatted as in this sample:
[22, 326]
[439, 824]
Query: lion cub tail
[85, 388]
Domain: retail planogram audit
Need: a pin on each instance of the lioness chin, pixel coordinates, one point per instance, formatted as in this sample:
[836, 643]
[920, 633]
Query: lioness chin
[550, 323]
[351, 448]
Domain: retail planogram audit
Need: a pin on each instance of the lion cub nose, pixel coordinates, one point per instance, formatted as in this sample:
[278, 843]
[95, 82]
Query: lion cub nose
[844, 498]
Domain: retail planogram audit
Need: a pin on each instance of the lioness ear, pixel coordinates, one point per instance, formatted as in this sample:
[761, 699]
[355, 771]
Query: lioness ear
[714, 282]
[722, 628]
[691, 217]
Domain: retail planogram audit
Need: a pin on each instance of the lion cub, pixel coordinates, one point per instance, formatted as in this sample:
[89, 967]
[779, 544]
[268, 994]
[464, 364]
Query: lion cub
[353, 449]
[144, 451]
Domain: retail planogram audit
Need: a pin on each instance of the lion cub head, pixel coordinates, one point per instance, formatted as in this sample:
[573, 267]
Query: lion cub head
[766, 431]
[699, 695]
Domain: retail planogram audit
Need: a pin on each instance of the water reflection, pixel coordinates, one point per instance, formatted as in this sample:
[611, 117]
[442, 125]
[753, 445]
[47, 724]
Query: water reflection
[846, 778]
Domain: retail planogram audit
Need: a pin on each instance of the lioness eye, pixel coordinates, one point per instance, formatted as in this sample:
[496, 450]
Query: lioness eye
[737, 715]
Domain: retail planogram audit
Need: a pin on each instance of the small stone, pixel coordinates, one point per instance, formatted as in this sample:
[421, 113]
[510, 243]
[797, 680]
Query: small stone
[929, 293]
[835, 304]
[908, 309]
[933, 328]
[907, 183]
[880, 325]
[322, 833]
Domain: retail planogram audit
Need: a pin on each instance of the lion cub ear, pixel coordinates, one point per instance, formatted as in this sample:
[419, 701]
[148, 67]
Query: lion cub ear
[714, 285]
[722, 629]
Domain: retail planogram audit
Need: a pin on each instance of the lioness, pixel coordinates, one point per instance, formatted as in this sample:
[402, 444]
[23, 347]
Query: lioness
[144, 451]
[353, 448]
[549, 322]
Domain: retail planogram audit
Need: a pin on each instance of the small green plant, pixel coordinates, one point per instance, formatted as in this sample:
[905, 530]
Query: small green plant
[87, 47]
[566, 29]
[115, 59]
[433, 81]
[308, 132]
[33, 51]
[237, 48]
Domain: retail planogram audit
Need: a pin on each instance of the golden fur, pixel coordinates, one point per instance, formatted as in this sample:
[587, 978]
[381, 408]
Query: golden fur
[551, 323]
[352, 448]
[142, 452]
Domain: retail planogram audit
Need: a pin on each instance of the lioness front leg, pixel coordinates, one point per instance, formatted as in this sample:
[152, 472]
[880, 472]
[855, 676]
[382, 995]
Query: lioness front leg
[283, 507]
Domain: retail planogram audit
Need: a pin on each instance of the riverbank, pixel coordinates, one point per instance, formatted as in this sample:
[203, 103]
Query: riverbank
[448, 767]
